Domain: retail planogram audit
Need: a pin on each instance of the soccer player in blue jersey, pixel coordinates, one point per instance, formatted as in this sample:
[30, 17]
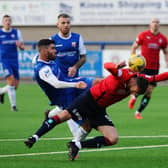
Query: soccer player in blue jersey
[71, 52]
[51, 79]
[59, 89]
[10, 40]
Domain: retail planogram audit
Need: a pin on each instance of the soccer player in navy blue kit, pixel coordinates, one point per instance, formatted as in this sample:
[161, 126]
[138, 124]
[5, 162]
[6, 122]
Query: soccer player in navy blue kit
[10, 40]
[71, 52]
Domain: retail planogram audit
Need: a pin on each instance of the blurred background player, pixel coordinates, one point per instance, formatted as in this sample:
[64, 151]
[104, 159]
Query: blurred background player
[71, 52]
[151, 42]
[10, 40]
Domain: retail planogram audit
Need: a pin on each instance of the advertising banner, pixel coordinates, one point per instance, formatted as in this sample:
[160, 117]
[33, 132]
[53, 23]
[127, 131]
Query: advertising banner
[85, 12]
[92, 67]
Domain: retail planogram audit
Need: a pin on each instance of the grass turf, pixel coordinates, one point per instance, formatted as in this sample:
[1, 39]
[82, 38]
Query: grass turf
[17, 126]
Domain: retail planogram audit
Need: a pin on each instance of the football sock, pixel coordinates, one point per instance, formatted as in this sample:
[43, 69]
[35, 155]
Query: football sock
[47, 125]
[73, 126]
[12, 95]
[80, 134]
[144, 103]
[96, 142]
[4, 89]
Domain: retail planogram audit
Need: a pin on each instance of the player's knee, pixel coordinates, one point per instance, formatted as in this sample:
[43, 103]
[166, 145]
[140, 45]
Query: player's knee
[112, 140]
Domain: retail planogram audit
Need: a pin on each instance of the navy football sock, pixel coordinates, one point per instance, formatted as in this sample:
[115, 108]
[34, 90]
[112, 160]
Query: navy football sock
[47, 125]
[96, 142]
[144, 103]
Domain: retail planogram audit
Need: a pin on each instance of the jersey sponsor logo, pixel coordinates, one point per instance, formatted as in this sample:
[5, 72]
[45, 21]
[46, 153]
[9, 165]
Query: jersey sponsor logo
[153, 45]
[58, 45]
[9, 42]
[68, 53]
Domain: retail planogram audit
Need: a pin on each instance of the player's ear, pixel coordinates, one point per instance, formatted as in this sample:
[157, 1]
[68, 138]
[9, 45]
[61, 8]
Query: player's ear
[57, 24]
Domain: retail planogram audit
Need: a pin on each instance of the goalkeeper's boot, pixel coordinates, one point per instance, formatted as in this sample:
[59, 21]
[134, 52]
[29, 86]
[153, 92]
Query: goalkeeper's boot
[30, 142]
[138, 116]
[2, 98]
[73, 151]
[131, 102]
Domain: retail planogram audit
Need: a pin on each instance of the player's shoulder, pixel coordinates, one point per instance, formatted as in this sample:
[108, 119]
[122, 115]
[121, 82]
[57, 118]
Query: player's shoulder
[54, 36]
[15, 30]
[146, 32]
[162, 36]
[75, 34]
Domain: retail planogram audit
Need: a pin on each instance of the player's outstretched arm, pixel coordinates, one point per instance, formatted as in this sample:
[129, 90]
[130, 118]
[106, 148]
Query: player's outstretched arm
[113, 68]
[156, 78]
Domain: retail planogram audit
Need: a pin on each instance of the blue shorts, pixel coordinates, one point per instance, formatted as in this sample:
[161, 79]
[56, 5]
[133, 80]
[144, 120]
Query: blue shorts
[10, 67]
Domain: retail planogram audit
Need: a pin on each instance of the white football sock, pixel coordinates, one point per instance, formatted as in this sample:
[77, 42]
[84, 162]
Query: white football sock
[73, 126]
[4, 89]
[80, 134]
[36, 137]
[12, 95]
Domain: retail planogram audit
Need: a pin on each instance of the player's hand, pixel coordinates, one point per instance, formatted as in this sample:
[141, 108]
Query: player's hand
[131, 102]
[71, 71]
[81, 85]
[20, 45]
[121, 65]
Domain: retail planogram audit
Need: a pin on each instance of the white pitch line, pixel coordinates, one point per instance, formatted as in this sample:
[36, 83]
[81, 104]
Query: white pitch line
[91, 150]
[69, 138]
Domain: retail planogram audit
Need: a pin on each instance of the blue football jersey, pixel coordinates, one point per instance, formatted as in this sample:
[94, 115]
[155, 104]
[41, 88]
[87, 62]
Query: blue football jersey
[59, 96]
[67, 51]
[8, 48]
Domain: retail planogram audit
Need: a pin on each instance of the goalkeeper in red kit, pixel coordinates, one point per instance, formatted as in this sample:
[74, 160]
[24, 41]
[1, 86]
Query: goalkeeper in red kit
[91, 107]
[151, 42]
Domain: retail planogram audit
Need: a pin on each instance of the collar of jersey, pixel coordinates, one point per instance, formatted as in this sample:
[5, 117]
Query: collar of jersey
[65, 38]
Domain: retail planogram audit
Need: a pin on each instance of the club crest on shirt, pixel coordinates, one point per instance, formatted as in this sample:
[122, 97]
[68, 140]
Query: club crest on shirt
[74, 44]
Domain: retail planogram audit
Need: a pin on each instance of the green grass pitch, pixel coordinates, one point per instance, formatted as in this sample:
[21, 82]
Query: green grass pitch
[143, 143]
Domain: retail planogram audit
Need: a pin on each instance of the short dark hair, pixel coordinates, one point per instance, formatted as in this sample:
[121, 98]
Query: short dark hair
[45, 42]
[142, 84]
[6, 16]
[63, 15]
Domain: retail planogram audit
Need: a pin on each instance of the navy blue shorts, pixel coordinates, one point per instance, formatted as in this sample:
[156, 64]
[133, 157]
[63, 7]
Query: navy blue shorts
[151, 72]
[85, 108]
[10, 67]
